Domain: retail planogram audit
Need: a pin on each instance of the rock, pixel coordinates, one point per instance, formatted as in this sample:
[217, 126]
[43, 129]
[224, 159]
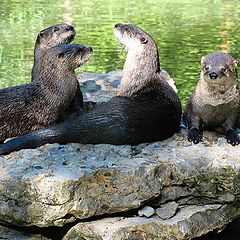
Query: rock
[189, 222]
[53, 185]
[56, 184]
[167, 210]
[99, 87]
[10, 234]
[146, 211]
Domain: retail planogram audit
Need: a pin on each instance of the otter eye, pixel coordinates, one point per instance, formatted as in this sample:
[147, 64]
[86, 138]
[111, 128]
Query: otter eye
[60, 55]
[41, 34]
[55, 29]
[143, 40]
[224, 69]
[206, 68]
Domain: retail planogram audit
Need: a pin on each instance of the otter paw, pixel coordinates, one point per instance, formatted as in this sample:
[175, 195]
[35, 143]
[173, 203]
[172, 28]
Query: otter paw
[194, 135]
[232, 137]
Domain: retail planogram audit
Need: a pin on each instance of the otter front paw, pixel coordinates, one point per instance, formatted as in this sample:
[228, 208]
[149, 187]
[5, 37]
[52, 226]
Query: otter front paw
[232, 137]
[194, 135]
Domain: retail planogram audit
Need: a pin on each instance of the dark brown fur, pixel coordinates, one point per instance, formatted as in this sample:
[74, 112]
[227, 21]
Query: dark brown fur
[215, 103]
[147, 108]
[47, 38]
[38, 104]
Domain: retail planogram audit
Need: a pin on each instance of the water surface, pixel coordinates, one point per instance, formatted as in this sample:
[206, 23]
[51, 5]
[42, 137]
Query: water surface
[184, 30]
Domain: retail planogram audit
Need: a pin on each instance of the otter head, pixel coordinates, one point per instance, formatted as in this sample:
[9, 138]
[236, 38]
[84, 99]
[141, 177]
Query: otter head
[219, 68]
[132, 38]
[142, 53]
[67, 56]
[57, 34]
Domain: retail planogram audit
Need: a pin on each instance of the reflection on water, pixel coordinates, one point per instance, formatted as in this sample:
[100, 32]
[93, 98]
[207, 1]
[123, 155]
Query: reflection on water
[183, 29]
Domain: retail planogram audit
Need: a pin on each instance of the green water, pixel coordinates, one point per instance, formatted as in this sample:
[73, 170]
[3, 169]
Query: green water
[183, 29]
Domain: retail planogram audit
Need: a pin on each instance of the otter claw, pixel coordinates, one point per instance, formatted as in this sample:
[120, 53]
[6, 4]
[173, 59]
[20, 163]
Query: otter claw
[194, 135]
[232, 138]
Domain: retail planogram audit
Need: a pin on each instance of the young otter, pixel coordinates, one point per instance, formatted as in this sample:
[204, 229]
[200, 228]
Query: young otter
[147, 110]
[38, 104]
[47, 38]
[215, 103]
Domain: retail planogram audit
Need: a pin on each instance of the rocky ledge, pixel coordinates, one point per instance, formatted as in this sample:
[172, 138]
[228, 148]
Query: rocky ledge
[162, 190]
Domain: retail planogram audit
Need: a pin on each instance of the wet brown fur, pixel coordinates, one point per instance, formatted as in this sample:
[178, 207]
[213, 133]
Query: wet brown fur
[47, 38]
[215, 103]
[147, 108]
[38, 104]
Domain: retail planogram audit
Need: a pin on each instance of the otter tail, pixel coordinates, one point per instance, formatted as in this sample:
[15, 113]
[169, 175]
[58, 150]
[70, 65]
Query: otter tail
[119, 121]
[30, 140]
[91, 130]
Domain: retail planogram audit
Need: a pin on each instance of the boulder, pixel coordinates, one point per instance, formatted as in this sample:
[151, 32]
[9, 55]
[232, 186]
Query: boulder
[56, 184]
[99, 88]
[189, 222]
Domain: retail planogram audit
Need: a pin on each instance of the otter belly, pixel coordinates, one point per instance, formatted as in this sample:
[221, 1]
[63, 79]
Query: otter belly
[214, 116]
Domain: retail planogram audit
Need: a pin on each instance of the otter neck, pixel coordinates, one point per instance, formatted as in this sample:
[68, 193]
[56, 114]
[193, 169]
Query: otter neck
[38, 57]
[140, 68]
[60, 82]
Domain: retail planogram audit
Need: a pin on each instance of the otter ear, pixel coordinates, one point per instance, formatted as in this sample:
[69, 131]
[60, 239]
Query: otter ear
[55, 29]
[203, 60]
[39, 36]
[143, 40]
[233, 64]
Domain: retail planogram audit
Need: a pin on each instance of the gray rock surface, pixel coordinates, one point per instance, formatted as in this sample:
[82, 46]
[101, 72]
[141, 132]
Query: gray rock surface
[167, 210]
[190, 221]
[57, 184]
[99, 87]
[10, 234]
[146, 212]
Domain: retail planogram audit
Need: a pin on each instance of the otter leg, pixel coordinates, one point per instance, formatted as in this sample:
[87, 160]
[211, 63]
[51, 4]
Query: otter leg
[76, 105]
[75, 108]
[194, 135]
[194, 123]
[230, 131]
[232, 137]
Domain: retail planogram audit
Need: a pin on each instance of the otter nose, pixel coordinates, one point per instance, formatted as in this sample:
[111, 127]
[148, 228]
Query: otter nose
[118, 25]
[213, 75]
[90, 49]
[70, 27]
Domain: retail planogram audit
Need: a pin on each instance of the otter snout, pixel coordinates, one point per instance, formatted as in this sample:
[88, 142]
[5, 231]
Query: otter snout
[90, 49]
[86, 50]
[213, 75]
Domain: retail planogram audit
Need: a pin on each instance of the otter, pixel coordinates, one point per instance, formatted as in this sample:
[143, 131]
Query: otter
[38, 104]
[47, 38]
[215, 103]
[146, 110]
